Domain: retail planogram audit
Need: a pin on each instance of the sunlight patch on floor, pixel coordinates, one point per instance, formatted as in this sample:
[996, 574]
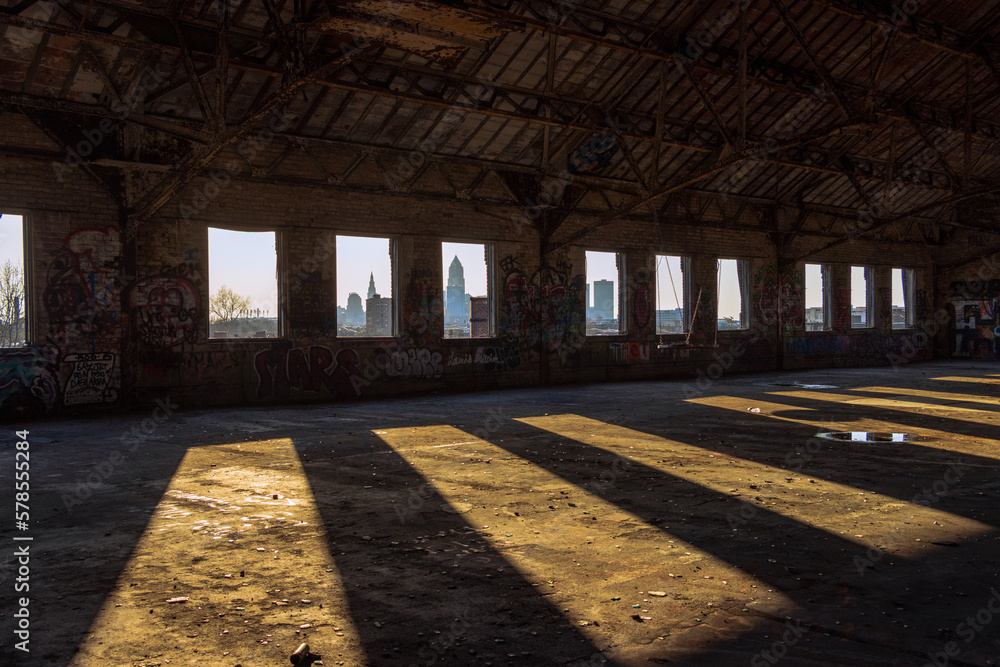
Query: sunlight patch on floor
[571, 543]
[942, 395]
[941, 440]
[233, 534]
[869, 517]
[958, 378]
[971, 415]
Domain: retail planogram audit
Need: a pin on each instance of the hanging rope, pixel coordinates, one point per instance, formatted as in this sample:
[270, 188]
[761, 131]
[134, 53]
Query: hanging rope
[673, 288]
[694, 316]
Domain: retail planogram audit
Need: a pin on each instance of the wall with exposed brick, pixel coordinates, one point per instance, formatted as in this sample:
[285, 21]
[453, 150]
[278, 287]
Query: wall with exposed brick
[120, 320]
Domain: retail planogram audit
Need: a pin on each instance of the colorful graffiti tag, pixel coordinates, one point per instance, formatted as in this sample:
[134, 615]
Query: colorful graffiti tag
[29, 381]
[625, 352]
[81, 294]
[549, 312]
[977, 319]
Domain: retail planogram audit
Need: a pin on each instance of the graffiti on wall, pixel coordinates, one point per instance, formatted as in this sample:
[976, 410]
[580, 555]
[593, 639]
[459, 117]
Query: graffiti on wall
[91, 379]
[29, 381]
[777, 296]
[642, 305]
[545, 309]
[81, 294]
[411, 363]
[977, 319]
[166, 310]
[316, 370]
[490, 358]
[624, 352]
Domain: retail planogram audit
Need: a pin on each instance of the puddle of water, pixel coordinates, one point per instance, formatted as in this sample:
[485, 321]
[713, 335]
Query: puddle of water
[800, 385]
[873, 436]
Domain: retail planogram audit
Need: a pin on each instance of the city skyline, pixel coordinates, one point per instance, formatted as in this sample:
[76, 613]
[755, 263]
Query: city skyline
[246, 263]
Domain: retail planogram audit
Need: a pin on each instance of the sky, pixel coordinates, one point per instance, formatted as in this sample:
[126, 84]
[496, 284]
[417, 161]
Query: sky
[897, 288]
[473, 259]
[245, 262]
[814, 286]
[11, 239]
[358, 258]
[859, 293]
[669, 283]
[729, 290]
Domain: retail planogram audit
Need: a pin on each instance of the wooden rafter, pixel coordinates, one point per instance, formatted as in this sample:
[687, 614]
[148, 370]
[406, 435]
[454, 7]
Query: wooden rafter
[834, 86]
[166, 189]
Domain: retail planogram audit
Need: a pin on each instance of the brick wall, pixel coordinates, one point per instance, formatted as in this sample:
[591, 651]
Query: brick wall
[118, 322]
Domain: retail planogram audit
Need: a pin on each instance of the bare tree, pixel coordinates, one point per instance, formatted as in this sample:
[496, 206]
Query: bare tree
[226, 305]
[11, 304]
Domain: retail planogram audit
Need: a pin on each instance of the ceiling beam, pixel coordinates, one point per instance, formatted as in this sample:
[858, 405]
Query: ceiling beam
[879, 223]
[718, 60]
[165, 189]
[834, 86]
[724, 62]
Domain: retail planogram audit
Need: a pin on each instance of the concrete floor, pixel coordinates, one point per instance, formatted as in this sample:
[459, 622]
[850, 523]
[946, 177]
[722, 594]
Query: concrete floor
[619, 524]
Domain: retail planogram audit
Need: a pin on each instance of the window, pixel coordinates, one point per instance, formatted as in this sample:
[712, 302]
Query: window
[902, 299]
[467, 302]
[862, 291]
[673, 296]
[733, 291]
[13, 317]
[242, 284]
[819, 298]
[603, 281]
[364, 287]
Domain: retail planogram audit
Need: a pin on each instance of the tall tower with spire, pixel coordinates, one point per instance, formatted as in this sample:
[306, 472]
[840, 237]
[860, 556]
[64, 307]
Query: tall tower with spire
[371, 286]
[454, 305]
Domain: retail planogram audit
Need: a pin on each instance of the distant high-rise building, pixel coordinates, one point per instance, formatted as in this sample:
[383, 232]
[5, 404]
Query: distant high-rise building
[378, 316]
[371, 286]
[455, 311]
[604, 300]
[355, 313]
